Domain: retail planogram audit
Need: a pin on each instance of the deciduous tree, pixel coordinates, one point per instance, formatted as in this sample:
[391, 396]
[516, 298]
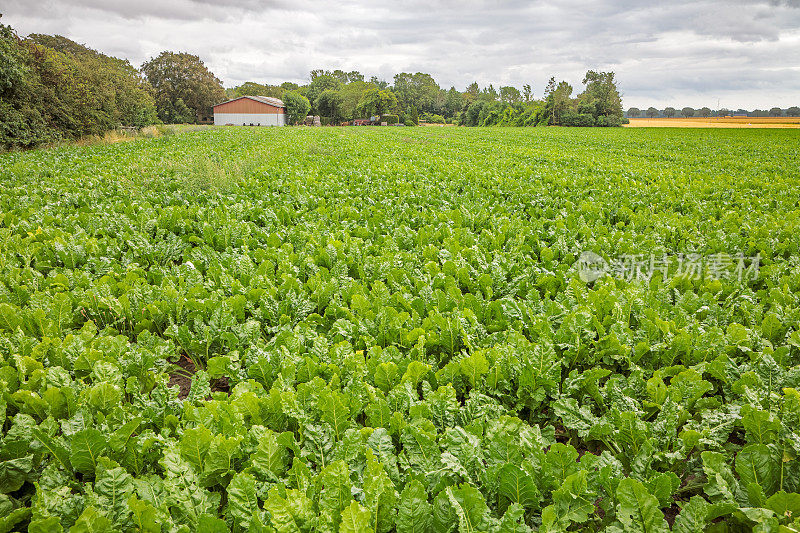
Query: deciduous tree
[453, 102]
[557, 100]
[489, 94]
[329, 104]
[602, 94]
[297, 106]
[321, 81]
[419, 90]
[251, 88]
[379, 83]
[377, 102]
[527, 93]
[182, 76]
[350, 97]
[354, 76]
[510, 95]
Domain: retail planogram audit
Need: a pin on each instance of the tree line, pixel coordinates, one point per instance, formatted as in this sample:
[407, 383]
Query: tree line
[339, 96]
[53, 89]
[705, 112]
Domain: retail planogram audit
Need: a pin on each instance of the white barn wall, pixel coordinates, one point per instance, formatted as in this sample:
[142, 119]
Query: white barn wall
[245, 119]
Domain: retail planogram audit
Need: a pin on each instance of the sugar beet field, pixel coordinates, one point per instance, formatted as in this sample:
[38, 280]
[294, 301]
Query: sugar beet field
[402, 329]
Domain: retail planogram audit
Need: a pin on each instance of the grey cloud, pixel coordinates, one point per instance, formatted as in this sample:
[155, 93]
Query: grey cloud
[126, 9]
[683, 50]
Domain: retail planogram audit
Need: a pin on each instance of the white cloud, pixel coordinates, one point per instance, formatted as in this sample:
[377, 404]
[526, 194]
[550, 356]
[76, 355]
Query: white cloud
[746, 53]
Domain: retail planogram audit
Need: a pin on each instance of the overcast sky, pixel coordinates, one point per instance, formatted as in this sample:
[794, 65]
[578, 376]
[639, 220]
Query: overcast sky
[695, 53]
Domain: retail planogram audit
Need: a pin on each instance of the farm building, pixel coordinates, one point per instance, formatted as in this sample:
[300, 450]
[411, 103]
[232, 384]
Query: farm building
[251, 111]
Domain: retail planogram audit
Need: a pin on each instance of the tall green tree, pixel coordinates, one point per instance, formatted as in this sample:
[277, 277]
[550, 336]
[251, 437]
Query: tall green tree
[453, 102]
[297, 106]
[251, 88]
[489, 94]
[182, 76]
[527, 93]
[634, 112]
[419, 90]
[321, 81]
[670, 112]
[338, 74]
[22, 122]
[350, 97]
[687, 112]
[469, 95]
[13, 67]
[329, 104]
[375, 101]
[379, 83]
[601, 94]
[652, 112]
[793, 111]
[510, 95]
[557, 100]
[354, 76]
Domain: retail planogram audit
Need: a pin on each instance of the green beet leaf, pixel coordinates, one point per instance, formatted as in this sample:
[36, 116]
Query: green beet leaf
[638, 509]
[86, 447]
[518, 486]
[414, 511]
[355, 519]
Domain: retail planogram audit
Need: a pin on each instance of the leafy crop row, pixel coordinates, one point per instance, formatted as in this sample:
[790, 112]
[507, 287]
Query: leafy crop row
[385, 333]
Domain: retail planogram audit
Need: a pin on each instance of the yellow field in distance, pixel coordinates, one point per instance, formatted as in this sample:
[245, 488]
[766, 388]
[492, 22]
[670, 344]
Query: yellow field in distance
[716, 122]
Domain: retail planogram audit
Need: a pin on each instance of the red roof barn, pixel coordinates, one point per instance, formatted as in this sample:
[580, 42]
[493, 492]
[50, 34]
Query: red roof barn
[251, 111]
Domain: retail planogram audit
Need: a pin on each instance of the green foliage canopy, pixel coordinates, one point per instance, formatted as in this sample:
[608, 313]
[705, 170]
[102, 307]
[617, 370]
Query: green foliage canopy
[182, 82]
[297, 106]
[53, 88]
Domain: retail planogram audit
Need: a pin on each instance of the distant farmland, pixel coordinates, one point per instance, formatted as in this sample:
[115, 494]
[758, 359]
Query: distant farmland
[714, 122]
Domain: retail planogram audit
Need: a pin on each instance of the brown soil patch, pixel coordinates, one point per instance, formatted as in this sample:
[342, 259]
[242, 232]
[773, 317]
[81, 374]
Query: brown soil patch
[182, 377]
[671, 513]
[220, 385]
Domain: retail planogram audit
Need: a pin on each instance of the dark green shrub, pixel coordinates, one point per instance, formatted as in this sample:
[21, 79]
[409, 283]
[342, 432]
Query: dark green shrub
[433, 118]
[583, 120]
[609, 121]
